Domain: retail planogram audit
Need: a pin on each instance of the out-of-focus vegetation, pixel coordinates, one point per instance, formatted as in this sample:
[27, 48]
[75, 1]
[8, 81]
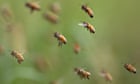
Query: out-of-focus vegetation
[116, 42]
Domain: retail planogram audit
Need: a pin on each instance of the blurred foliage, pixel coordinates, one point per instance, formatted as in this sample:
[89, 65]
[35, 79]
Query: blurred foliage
[115, 42]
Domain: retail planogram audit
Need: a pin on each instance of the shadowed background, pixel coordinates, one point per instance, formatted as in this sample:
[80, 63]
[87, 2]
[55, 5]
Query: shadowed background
[115, 42]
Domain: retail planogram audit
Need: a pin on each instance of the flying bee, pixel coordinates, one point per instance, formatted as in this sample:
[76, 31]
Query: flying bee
[60, 38]
[7, 13]
[76, 48]
[82, 73]
[51, 17]
[106, 75]
[87, 10]
[88, 26]
[41, 64]
[130, 68]
[55, 8]
[34, 6]
[18, 56]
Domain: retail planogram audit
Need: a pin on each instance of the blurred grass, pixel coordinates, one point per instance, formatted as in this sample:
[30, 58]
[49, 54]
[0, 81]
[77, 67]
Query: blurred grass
[116, 42]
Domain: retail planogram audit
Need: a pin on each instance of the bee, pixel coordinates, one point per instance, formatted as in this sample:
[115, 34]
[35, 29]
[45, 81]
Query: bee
[7, 13]
[106, 75]
[87, 10]
[76, 48]
[55, 8]
[60, 38]
[88, 26]
[82, 73]
[34, 6]
[51, 17]
[41, 64]
[18, 56]
[130, 68]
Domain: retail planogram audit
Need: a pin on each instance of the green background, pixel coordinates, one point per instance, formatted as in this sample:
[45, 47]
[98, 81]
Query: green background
[116, 42]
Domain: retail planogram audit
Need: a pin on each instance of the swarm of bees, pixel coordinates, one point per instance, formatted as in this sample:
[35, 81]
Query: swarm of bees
[87, 10]
[60, 38]
[34, 6]
[130, 68]
[18, 56]
[88, 26]
[82, 73]
[106, 75]
[53, 17]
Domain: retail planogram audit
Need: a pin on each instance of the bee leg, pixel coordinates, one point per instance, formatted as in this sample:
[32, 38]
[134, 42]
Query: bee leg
[60, 44]
[19, 61]
[32, 10]
[88, 77]
[81, 77]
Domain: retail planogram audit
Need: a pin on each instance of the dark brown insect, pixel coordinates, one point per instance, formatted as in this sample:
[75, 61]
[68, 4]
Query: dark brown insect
[76, 48]
[88, 26]
[130, 68]
[51, 17]
[18, 56]
[55, 8]
[34, 6]
[88, 10]
[82, 73]
[60, 38]
[106, 75]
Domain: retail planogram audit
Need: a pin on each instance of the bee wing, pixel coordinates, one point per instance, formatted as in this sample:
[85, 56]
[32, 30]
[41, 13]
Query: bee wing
[81, 24]
[102, 74]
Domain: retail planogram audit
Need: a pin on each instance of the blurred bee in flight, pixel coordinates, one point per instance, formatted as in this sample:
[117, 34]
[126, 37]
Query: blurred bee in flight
[87, 10]
[130, 68]
[34, 6]
[6, 13]
[55, 7]
[41, 64]
[88, 26]
[18, 56]
[82, 73]
[51, 17]
[76, 48]
[60, 38]
[106, 75]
